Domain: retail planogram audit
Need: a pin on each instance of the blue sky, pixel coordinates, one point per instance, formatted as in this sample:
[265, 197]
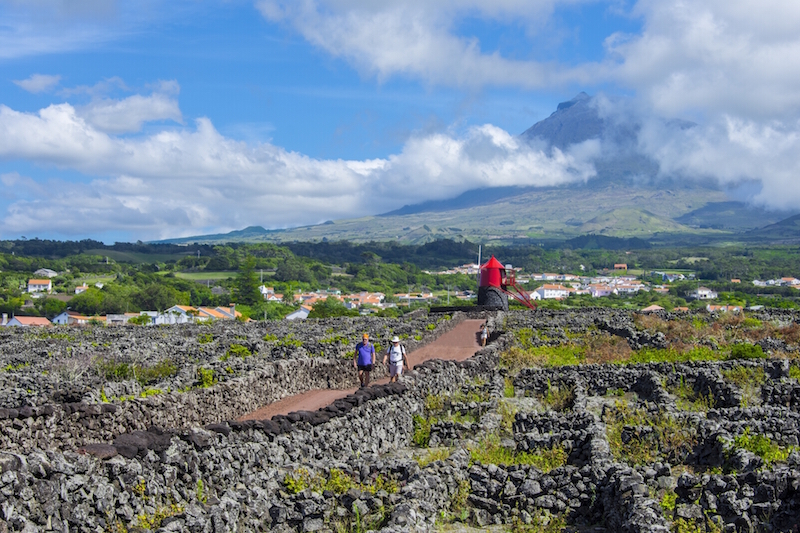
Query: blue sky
[173, 118]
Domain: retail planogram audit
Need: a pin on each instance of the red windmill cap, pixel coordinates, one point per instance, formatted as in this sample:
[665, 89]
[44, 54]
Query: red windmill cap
[493, 263]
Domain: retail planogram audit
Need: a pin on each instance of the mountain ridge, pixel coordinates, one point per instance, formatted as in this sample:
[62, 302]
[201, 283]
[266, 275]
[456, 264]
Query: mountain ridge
[627, 197]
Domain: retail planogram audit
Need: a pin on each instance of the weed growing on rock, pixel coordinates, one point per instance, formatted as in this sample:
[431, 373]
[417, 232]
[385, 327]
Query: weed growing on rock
[490, 451]
[687, 399]
[639, 437]
[337, 482]
[669, 500]
[477, 396]
[542, 521]
[145, 375]
[205, 338]
[508, 388]
[508, 413]
[150, 392]
[749, 380]
[687, 525]
[206, 377]
[200, 492]
[794, 372]
[558, 398]
[153, 521]
[236, 350]
[422, 431]
[762, 446]
[434, 402]
[439, 454]
[14, 368]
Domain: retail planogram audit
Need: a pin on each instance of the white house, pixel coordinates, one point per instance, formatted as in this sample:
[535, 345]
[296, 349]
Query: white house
[45, 273]
[81, 289]
[40, 285]
[548, 292]
[600, 290]
[702, 293]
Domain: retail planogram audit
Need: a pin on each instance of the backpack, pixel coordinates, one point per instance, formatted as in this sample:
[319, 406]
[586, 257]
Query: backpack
[402, 351]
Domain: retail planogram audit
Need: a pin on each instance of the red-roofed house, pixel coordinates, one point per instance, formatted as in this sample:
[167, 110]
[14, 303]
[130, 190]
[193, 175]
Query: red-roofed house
[28, 321]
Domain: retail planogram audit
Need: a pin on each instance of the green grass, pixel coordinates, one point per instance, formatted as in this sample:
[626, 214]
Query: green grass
[670, 436]
[508, 388]
[490, 451]
[121, 371]
[515, 359]
[439, 454]
[558, 398]
[794, 372]
[689, 400]
[670, 355]
[749, 381]
[195, 276]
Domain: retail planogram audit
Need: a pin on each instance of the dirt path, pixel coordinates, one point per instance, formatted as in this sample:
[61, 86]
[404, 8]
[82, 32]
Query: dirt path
[458, 344]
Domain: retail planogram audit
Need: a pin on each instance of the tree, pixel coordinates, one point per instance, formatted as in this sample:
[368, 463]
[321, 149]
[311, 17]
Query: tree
[246, 285]
[330, 307]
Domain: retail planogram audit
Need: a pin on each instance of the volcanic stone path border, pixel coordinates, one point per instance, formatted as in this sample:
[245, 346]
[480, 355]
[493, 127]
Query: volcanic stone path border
[458, 344]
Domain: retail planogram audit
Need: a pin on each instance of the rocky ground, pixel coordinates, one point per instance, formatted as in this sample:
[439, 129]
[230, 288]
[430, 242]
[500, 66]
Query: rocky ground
[489, 443]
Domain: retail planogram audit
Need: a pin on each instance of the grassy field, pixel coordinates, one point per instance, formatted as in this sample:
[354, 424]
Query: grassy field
[197, 276]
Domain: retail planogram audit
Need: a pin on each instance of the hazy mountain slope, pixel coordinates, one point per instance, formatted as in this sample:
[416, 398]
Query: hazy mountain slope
[627, 198]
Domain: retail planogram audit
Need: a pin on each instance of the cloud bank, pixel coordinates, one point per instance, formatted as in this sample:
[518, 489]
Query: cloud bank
[187, 180]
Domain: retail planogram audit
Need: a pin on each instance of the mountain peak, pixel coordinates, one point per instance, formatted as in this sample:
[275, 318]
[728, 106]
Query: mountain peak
[580, 97]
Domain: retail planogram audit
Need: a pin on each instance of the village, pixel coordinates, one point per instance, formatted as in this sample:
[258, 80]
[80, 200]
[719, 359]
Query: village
[546, 286]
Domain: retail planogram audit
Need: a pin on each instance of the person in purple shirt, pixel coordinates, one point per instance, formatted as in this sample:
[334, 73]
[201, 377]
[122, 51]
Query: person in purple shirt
[364, 359]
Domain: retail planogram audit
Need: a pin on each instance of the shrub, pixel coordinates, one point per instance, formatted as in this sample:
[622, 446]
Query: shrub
[237, 350]
[762, 446]
[508, 388]
[747, 351]
[206, 377]
[422, 431]
[689, 400]
[558, 398]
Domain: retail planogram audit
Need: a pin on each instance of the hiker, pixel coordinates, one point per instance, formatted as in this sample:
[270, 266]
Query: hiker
[364, 359]
[484, 334]
[396, 355]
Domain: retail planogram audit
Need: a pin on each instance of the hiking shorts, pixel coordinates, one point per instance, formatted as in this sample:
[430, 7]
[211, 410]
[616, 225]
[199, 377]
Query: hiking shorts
[365, 368]
[395, 369]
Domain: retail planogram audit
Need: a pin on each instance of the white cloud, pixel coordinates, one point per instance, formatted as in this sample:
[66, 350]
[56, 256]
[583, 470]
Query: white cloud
[190, 180]
[732, 151]
[417, 39]
[734, 57]
[128, 115]
[39, 83]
